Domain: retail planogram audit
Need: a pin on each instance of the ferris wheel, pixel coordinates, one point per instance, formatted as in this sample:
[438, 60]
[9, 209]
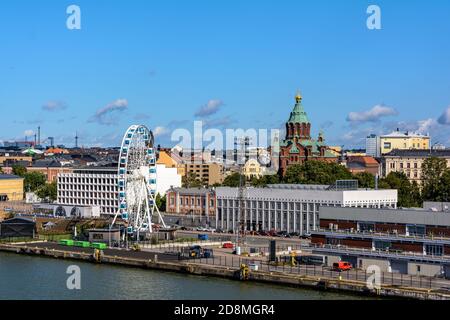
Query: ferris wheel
[137, 180]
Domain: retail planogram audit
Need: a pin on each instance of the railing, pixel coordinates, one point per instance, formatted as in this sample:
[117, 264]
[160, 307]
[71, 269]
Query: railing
[345, 249]
[385, 278]
[381, 234]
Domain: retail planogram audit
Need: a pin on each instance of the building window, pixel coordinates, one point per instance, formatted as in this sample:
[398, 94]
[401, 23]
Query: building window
[434, 249]
[416, 230]
[366, 227]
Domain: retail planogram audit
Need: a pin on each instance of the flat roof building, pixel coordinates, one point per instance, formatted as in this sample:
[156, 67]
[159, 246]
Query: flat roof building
[292, 208]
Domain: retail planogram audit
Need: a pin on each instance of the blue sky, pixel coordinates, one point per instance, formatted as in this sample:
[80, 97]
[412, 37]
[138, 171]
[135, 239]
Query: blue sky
[233, 64]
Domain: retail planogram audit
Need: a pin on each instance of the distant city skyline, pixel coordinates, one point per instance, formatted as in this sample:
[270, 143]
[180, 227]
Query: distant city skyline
[231, 64]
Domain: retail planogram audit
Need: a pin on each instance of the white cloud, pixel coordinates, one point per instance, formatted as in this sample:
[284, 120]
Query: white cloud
[372, 115]
[103, 115]
[212, 107]
[160, 131]
[54, 106]
[445, 117]
[28, 133]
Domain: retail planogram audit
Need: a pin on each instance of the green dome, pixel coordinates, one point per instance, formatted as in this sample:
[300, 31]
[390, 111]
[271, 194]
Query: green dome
[298, 115]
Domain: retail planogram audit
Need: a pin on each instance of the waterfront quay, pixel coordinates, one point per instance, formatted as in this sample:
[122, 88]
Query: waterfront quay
[224, 264]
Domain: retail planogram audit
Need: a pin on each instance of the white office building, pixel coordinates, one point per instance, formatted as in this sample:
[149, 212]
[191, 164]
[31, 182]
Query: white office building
[96, 186]
[292, 208]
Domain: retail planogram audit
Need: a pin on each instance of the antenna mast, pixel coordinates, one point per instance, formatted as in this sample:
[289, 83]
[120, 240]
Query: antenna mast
[243, 143]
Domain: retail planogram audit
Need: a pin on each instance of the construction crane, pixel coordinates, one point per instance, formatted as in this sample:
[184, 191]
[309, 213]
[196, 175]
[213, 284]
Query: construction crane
[243, 144]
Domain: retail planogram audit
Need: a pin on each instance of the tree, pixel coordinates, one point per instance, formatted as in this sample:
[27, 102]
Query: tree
[19, 170]
[232, 180]
[316, 172]
[265, 180]
[365, 179]
[33, 181]
[432, 171]
[190, 181]
[408, 193]
[48, 191]
[444, 187]
[161, 202]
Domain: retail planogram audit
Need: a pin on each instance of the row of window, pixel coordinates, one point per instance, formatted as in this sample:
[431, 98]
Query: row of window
[93, 195]
[270, 205]
[189, 201]
[110, 188]
[79, 180]
[112, 204]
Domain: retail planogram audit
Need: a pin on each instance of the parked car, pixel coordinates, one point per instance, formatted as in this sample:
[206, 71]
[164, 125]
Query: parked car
[228, 245]
[342, 266]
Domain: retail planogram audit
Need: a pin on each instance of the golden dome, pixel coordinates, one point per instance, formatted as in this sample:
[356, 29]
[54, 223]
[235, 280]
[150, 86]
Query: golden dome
[298, 97]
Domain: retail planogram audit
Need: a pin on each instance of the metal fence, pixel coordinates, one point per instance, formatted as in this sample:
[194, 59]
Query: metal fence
[386, 278]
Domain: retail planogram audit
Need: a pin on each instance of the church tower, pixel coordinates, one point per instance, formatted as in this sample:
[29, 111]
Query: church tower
[298, 146]
[298, 125]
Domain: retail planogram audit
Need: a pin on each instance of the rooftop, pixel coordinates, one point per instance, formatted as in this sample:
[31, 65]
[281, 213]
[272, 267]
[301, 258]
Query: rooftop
[407, 134]
[9, 177]
[419, 153]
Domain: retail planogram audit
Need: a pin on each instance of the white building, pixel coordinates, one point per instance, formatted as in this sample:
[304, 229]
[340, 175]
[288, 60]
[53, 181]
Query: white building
[292, 208]
[166, 178]
[99, 187]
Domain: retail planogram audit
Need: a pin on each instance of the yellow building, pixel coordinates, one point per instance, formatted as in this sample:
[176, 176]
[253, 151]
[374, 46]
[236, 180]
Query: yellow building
[252, 168]
[172, 161]
[11, 188]
[410, 162]
[404, 141]
[13, 158]
[209, 173]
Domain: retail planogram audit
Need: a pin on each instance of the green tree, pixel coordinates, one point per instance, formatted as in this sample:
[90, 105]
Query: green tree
[232, 180]
[408, 193]
[365, 179]
[190, 181]
[1, 170]
[265, 180]
[161, 202]
[19, 170]
[432, 171]
[444, 186]
[48, 191]
[316, 172]
[33, 181]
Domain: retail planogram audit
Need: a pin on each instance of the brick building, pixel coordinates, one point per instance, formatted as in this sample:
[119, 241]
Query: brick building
[191, 201]
[298, 146]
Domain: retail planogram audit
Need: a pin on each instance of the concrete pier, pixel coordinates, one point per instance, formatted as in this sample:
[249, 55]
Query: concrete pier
[150, 260]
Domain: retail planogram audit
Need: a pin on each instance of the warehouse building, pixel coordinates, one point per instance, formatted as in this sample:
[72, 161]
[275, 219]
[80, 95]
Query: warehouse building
[17, 228]
[293, 208]
[406, 241]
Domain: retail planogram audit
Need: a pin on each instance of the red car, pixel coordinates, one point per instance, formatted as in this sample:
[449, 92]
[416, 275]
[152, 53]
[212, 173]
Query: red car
[228, 245]
[342, 266]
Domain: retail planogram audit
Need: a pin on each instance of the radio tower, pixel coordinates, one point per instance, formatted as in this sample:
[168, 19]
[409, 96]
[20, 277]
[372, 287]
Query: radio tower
[243, 143]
